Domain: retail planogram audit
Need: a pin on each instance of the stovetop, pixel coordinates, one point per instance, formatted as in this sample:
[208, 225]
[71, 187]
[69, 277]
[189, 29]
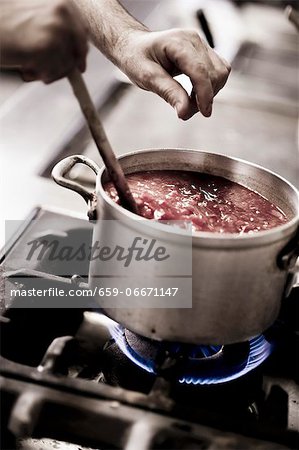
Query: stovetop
[66, 375]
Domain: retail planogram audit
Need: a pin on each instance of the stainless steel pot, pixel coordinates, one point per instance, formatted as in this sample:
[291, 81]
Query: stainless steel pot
[238, 281]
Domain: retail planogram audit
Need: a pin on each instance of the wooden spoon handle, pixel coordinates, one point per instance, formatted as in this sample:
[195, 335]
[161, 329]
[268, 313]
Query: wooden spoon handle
[98, 133]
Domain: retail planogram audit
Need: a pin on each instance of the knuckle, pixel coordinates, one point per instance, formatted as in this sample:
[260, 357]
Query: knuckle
[201, 69]
[174, 33]
[61, 7]
[168, 94]
[54, 23]
[179, 35]
[192, 34]
[147, 77]
[49, 43]
[180, 53]
[44, 45]
[175, 44]
[57, 29]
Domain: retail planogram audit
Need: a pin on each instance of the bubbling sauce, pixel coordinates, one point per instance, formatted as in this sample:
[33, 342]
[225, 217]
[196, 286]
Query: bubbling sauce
[210, 203]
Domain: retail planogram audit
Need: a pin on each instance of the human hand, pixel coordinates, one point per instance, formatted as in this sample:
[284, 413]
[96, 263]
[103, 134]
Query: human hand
[43, 39]
[152, 59]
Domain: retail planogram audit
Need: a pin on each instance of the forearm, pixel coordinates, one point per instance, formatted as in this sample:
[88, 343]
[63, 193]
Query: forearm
[109, 25]
[152, 59]
[43, 40]
[8, 24]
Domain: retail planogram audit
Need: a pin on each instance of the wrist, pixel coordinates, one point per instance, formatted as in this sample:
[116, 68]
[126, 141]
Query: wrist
[126, 45]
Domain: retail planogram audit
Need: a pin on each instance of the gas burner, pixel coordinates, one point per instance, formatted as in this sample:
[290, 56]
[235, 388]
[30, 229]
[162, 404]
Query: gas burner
[157, 398]
[192, 364]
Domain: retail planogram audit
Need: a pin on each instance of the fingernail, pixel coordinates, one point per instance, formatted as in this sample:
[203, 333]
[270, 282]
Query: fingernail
[209, 109]
[177, 108]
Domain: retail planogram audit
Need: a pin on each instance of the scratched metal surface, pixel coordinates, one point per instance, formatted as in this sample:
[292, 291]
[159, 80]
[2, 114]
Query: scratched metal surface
[47, 444]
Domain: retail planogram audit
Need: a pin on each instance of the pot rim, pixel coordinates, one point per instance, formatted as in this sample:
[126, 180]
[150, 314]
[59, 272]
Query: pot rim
[266, 236]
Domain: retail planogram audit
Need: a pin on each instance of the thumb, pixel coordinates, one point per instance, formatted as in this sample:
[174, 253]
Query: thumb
[171, 91]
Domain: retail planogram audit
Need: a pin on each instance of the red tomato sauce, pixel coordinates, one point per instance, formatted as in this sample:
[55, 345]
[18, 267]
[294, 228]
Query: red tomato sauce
[210, 203]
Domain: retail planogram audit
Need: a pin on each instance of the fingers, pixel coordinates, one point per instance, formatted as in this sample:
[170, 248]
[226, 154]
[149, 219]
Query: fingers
[80, 52]
[61, 43]
[196, 64]
[157, 80]
[71, 43]
[207, 71]
[221, 70]
[29, 75]
[50, 63]
[80, 43]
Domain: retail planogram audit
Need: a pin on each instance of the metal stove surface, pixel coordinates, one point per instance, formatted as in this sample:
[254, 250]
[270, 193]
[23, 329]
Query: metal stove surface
[60, 379]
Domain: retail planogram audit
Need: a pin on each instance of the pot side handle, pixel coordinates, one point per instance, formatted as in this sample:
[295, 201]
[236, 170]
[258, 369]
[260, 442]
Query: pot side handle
[64, 166]
[288, 260]
[288, 256]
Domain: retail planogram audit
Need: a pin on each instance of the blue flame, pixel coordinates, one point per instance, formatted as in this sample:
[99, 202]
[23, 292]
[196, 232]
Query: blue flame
[205, 351]
[117, 333]
[259, 350]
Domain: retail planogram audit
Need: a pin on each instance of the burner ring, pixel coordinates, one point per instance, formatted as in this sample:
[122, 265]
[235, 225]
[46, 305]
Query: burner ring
[215, 365]
[216, 352]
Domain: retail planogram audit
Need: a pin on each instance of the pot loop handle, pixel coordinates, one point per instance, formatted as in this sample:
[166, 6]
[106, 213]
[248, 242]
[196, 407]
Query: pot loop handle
[63, 167]
[289, 255]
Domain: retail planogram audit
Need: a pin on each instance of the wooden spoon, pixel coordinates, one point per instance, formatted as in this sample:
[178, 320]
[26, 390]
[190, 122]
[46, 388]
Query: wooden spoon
[98, 133]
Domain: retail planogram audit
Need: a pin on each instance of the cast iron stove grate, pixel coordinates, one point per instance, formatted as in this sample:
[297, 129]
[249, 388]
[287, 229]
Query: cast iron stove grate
[60, 379]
